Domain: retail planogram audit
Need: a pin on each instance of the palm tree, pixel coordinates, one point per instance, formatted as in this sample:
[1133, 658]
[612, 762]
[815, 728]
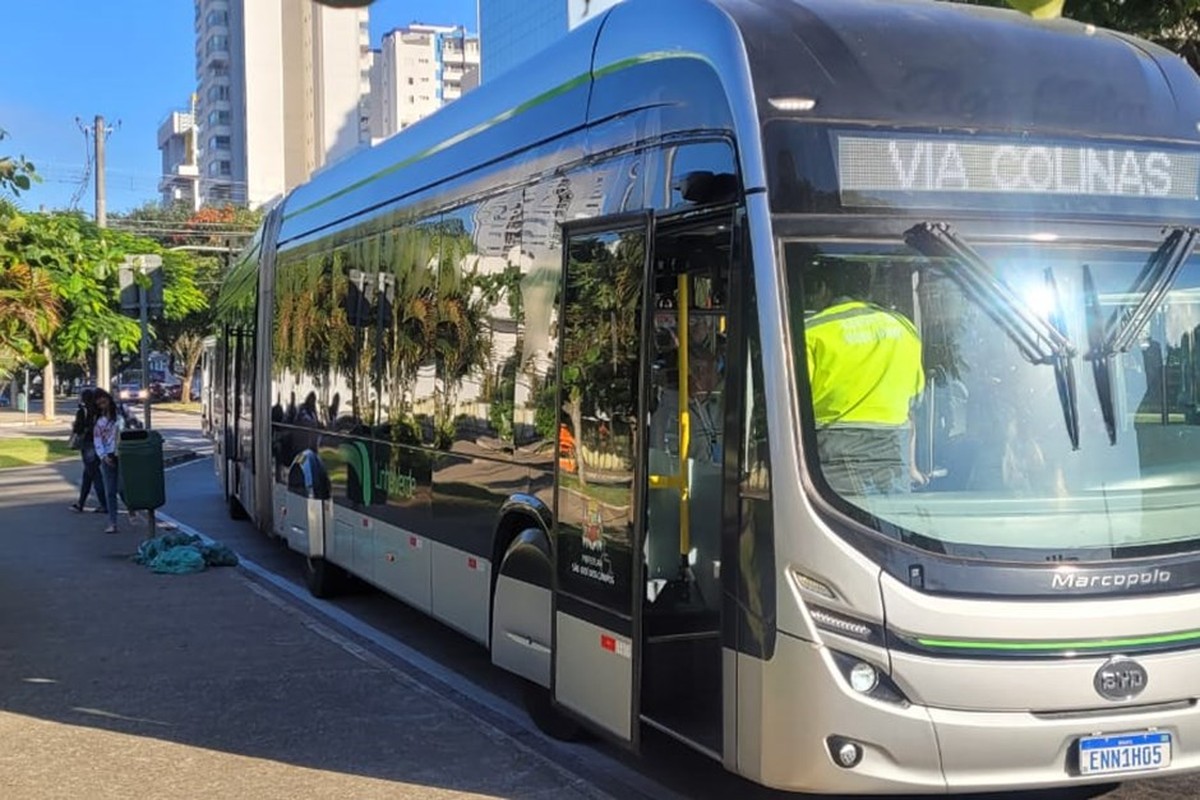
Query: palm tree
[30, 310]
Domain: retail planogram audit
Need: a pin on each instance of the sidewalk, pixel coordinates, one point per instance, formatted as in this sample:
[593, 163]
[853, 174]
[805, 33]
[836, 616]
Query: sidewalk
[121, 683]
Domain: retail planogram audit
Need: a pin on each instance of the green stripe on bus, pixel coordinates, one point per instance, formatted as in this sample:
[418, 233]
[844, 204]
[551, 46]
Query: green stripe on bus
[1088, 644]
[503, 116]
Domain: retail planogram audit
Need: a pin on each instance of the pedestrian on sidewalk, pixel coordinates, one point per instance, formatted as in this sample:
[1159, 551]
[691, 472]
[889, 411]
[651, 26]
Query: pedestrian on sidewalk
[84, 429]
[106, 432]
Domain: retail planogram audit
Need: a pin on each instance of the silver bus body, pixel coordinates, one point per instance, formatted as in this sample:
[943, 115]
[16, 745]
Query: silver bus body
[856, 647]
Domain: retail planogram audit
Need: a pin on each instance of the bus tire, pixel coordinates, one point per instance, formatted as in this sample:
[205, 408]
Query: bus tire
[236, 509]
[322, 578]
[549, 719]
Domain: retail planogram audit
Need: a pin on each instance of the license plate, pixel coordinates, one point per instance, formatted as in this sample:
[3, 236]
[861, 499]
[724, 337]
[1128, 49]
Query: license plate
[1129, 752]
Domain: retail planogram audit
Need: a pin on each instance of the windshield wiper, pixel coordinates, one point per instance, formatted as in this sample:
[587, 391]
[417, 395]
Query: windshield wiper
[1039, 341]
[1105, 340]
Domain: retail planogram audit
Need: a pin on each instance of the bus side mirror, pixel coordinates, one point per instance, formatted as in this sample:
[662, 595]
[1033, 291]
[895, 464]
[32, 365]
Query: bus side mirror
[707, 188]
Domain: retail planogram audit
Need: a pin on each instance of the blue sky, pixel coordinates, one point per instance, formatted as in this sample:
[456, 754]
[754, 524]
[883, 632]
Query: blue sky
[131, 60]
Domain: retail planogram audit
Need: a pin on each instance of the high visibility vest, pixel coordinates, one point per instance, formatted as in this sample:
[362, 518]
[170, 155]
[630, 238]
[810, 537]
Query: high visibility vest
[864, 365]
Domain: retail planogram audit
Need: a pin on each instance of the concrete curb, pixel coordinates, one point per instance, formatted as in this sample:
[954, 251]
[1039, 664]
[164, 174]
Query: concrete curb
[178, 457]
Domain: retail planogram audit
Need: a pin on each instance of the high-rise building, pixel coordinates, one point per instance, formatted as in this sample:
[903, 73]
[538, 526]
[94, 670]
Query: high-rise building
[514, 30]
[180, 181]
[416, 71]
[269, 115]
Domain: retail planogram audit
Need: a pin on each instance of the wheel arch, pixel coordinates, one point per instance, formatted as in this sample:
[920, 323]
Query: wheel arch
[519, 513]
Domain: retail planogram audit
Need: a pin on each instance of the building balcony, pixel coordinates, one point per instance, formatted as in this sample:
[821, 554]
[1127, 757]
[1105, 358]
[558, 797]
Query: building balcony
[169, 183]
[217, 59]
[177, 123]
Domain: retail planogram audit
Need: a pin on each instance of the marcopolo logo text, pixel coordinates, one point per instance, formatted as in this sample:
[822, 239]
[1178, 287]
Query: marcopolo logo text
[1110, 580]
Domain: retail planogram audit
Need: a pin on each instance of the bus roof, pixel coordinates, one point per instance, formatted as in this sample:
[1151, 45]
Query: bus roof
[938, 64]
[898, 63]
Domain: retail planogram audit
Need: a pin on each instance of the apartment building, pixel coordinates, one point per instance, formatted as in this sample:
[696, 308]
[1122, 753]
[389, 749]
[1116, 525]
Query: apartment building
[180, 181]
[416, 71]
[281, 89]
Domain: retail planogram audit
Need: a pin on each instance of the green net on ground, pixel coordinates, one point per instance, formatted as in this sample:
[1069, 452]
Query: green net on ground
[183, 554]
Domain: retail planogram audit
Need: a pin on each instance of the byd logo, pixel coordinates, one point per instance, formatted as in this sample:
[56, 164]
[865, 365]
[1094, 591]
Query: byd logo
[1120, 679]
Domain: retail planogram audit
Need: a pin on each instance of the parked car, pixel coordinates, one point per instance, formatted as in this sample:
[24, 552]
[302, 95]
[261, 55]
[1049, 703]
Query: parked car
[170, 387]
[162, 386]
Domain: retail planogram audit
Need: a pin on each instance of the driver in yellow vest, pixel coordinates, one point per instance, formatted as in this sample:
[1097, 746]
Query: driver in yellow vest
[865, 372]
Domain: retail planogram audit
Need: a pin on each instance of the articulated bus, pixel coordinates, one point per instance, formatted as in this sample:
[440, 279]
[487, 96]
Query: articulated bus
[537, 366]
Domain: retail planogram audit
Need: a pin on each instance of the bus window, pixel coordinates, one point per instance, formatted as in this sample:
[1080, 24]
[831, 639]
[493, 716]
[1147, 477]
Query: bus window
[596, 505]
[540, 263]
[410, 256]
[984, 461]
[481, 252]
[671, 166]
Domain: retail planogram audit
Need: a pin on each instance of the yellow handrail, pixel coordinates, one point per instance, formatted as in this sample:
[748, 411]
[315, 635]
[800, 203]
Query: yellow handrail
[679, 480]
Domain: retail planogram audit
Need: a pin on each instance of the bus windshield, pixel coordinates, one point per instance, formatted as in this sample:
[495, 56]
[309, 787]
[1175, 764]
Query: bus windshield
[1006, 402]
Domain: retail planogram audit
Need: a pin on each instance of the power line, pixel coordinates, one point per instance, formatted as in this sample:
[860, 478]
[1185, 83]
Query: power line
[87, 166]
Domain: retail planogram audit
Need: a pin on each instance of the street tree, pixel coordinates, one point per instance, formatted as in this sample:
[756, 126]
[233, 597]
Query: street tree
[1174, 25]
[79, 261]
[187, 348]
[212, 236]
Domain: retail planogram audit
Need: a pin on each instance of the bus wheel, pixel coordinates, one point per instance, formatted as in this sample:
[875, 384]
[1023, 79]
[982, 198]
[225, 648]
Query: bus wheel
[549, 719]
[236, 509]
[323, 579]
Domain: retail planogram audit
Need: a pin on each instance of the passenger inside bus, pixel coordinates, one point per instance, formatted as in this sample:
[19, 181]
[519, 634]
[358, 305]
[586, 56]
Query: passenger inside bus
[865, 372]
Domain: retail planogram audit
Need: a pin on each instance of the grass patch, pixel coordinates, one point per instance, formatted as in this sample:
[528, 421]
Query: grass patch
[181, 408]
[29, 451]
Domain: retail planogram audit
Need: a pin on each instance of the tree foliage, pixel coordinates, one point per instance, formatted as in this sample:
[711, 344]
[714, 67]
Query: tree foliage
[210, 238]
[16, 173]
[1174, 24]
[179, 226]
[60, 273]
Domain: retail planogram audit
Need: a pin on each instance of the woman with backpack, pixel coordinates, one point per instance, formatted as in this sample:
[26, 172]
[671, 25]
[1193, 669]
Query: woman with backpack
[82, 430]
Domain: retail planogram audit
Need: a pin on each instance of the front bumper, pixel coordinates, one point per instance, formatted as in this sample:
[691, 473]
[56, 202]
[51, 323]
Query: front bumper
[801, 701]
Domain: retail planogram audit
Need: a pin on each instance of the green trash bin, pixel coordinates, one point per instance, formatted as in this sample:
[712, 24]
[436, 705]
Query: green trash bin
[140, 467]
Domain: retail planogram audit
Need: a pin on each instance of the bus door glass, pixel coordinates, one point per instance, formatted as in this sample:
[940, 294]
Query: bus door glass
[598, 495]
[686, 351]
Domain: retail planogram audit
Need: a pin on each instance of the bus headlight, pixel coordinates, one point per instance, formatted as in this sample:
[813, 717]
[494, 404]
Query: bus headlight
[868, 680]
[863, 678]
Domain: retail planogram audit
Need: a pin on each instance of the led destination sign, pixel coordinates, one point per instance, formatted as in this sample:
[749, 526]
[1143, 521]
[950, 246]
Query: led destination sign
[876, 165]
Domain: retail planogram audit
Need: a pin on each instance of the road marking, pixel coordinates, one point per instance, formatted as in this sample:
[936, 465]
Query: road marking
[631, 780]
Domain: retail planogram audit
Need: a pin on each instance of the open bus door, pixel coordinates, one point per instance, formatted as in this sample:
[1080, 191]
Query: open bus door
[236, 431]
[599, 491]
[640, 499]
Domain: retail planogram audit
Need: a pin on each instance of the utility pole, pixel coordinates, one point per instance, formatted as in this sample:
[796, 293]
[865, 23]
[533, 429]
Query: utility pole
[103, 353]
[100, 132]
[101, 135]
